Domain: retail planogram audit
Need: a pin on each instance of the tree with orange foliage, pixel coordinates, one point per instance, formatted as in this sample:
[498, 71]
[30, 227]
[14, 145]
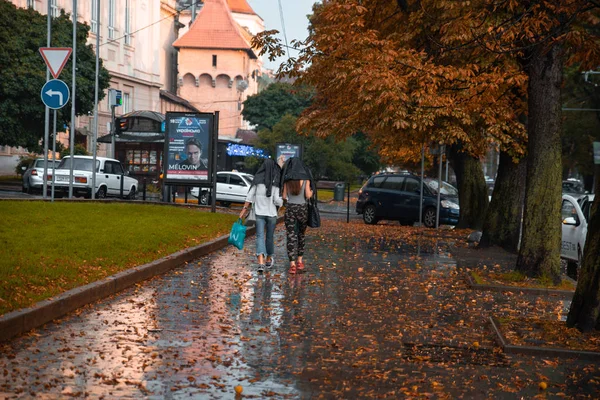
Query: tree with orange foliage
[459, 73]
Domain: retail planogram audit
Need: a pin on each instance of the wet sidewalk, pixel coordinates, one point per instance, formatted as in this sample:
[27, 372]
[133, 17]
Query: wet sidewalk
[380, 313]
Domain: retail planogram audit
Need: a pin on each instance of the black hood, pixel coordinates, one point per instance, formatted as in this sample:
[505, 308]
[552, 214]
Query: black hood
[295, 169]
[268, 174]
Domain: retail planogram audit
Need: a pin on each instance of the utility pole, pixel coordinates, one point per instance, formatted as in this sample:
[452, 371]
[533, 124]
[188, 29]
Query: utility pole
[73, 85]
[95, 133]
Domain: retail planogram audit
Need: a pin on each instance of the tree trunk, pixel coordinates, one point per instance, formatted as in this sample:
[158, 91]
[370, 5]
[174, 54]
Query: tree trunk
[472, 189]
[539, 252]
[585, 307]
[502, 224]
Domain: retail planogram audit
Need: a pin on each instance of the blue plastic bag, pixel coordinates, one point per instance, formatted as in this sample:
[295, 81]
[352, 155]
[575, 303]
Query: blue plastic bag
[237, 234]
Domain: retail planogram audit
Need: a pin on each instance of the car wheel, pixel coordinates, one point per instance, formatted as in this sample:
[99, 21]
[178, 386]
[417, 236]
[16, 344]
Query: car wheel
[203, 198]
[429, 217]
[369, 215]
[132, 194]
[24, 189]
[101, 193]
[225, 203]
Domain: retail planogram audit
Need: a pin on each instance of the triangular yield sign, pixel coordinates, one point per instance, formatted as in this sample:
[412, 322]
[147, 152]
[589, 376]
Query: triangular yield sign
[55, 58]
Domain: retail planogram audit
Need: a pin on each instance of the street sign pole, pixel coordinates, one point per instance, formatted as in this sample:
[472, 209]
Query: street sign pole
[113, 128]
[47, 115]
[72, 130]
[53, 157]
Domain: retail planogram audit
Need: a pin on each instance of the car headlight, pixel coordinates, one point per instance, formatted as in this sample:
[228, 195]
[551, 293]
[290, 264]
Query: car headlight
[450, 204]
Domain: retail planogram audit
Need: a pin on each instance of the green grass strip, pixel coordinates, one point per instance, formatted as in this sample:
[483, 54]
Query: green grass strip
[48, 248]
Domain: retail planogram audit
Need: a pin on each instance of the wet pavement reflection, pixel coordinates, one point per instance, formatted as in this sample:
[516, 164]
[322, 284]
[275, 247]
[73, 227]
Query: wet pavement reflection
[372, 317]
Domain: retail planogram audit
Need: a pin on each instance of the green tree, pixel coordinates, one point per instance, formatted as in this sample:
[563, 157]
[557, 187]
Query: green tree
[266, 108]
[580, 127]
[23, 73]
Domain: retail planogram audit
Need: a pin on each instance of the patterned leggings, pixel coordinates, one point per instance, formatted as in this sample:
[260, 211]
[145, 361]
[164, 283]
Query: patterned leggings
[295, 219]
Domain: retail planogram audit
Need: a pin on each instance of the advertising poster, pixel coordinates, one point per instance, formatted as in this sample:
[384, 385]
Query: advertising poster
[188, 147]
[287, 150]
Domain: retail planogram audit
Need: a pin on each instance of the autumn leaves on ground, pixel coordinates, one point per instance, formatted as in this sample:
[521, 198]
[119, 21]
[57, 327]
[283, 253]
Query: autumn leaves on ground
[383, 312]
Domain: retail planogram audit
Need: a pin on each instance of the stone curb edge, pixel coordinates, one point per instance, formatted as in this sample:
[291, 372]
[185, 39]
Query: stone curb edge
[540, 351]
[500, 288]
[20, 321]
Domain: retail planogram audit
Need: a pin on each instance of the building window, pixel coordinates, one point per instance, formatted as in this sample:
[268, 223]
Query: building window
[214, 60]
[127, 23]
[31, 4]
[111, 19]
[94, 17]
[53, 8]
[126, 103]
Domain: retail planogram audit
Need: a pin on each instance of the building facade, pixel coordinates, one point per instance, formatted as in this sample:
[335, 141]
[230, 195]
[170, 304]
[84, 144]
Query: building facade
[173, 65]
[134, 66]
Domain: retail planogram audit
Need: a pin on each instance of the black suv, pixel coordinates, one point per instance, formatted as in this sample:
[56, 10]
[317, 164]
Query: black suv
[396, 197]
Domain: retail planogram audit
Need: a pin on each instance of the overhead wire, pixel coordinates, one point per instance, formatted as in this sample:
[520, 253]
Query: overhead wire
[152, 24]
[281, 17]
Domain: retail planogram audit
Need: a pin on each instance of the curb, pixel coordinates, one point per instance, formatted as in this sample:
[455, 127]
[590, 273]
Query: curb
[500, 288]
[540, 351]
[20, 321]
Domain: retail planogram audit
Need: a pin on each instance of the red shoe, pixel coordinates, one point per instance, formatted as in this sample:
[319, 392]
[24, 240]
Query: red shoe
[300, 267]
[292, 270]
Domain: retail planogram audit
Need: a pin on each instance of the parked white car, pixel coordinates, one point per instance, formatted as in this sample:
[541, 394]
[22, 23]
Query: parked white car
[33, 177]
[232, 187]
[110, 174]
[575, 214]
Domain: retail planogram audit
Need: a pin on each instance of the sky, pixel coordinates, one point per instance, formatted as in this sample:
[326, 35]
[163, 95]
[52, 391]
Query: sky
[294, 18]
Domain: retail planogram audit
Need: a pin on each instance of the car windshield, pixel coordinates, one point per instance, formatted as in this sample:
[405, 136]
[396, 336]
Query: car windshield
[40, 163]
[249, 178]
[447, 189]
[81, 164]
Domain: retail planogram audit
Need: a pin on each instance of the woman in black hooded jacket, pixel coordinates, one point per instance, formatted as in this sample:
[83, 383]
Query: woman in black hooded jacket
[264, 197]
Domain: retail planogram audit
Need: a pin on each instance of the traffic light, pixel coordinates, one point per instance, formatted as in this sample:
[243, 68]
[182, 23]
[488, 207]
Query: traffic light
[122, 125]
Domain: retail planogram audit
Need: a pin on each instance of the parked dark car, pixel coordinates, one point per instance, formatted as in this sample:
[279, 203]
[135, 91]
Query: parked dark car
[396, 197]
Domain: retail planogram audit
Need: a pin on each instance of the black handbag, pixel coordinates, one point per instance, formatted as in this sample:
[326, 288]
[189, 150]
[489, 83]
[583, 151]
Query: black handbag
[314, 219]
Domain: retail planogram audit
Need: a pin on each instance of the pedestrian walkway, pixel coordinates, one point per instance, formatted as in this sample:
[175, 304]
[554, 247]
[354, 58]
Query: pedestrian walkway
[380, 313]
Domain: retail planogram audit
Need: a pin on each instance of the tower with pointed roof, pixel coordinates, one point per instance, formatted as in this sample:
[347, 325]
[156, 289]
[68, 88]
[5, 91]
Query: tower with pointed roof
[217, 67]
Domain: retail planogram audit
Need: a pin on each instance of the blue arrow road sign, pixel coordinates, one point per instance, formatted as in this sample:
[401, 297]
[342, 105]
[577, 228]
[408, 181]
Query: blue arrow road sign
[55, 94]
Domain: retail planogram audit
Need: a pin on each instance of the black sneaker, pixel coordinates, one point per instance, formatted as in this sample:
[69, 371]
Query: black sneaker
[270, 264]
[261, 268]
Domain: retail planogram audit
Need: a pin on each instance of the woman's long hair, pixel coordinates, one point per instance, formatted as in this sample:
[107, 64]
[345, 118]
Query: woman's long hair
[294, 186]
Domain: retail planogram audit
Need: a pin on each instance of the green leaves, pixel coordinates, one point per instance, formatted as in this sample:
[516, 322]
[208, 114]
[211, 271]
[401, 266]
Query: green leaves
[23, 73]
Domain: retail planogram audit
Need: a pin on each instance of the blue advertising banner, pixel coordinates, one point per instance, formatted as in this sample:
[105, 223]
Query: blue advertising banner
[283, 151]
[188, 144]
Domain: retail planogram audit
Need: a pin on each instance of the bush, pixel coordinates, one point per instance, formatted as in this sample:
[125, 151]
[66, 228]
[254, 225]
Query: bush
[79, 151]
[24, 161]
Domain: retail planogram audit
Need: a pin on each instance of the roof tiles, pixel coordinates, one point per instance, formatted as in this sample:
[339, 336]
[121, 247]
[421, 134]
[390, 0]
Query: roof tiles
[214, 28]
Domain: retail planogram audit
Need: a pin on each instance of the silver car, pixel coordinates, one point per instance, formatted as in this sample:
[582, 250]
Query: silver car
[33, 177]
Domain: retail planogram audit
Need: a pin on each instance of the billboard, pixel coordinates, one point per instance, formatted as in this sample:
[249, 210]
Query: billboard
[287, 150]
[188, 147]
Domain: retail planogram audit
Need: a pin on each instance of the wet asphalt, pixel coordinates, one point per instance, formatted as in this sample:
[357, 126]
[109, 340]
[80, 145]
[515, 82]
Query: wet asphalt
[374, 316]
